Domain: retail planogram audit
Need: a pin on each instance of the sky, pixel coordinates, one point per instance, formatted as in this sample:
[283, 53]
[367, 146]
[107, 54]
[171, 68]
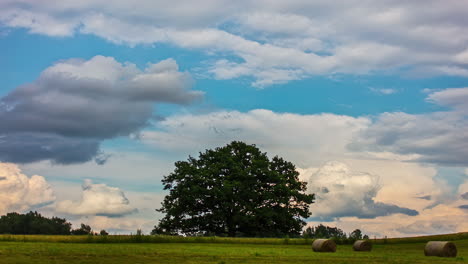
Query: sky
[369, 99]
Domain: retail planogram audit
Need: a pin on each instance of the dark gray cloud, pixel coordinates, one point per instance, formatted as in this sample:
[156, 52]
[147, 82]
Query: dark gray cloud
[369, 209]
[464, 196]
[465, 206]
[74, 105]
[101, 158]
[375, 209]
[425, 197]
[30, 147]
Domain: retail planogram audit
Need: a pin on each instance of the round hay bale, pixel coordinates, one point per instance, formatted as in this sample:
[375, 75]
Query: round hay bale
[440, 249]
[324, 245]
[362, 245]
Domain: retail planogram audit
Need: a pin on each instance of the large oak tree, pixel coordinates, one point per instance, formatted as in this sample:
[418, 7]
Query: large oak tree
[235, 190]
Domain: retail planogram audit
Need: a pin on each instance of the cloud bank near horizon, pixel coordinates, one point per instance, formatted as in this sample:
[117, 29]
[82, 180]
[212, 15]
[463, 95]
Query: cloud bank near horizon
[437, 138]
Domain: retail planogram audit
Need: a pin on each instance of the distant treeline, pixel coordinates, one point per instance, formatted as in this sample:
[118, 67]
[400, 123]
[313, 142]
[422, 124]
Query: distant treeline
[322, 231]
[136, 238]
[33, 223]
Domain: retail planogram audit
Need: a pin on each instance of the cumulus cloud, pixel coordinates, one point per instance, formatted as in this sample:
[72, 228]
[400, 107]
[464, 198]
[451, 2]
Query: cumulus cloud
[145, 219]
[341, 192]
[398, 188]
[97, 199]
[302, 138]
[295, 38]
[439, 138]
[311, 140]
[75, 104]
[18, 192]
[142, 204]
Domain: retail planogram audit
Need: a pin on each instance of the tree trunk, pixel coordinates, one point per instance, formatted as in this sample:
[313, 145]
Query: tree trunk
[231, 226]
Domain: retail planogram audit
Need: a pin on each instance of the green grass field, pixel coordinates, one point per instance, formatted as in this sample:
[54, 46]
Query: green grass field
[30, 249]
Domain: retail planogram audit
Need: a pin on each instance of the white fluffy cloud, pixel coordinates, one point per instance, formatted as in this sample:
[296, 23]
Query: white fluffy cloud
[19, 192]
[308, 140]
[97, 199]
[145, 219]
[341, 192]
[277, 41]
[439, 138]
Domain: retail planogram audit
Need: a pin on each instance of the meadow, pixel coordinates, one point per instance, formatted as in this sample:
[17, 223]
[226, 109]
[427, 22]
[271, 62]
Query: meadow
[155, 249]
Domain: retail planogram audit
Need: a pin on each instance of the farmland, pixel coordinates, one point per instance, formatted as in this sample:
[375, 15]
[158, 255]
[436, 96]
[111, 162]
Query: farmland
[131, 249]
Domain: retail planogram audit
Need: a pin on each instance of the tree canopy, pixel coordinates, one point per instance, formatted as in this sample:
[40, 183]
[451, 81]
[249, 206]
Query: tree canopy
[322, 231]
[235, 190]
[356, 234]
[33, 223]
[83, 230]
